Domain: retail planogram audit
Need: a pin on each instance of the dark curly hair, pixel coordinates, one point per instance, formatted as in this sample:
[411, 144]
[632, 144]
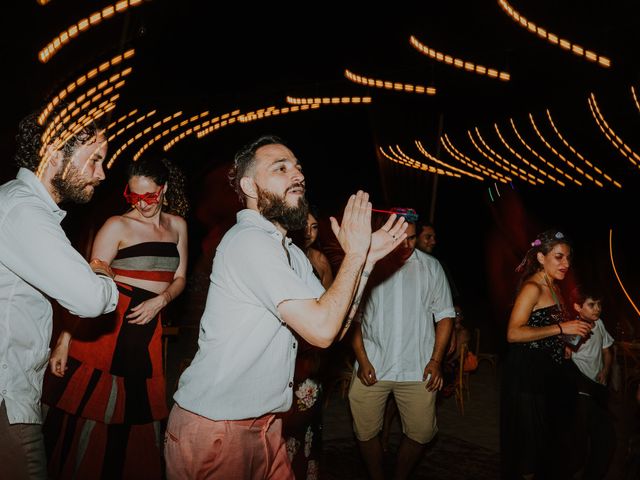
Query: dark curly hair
[161, 172]
[543, 243]
[29, 141]
[245, 158]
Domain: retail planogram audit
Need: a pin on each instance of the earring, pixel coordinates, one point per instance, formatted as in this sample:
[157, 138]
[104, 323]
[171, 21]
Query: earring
[164, 201]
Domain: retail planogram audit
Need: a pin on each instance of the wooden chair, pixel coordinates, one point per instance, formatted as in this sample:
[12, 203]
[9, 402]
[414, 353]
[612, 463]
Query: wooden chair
[489, 357]
[167, 331]
[462, 380]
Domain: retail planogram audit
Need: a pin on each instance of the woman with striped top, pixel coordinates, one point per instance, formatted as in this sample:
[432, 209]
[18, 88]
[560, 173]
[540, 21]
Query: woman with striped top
[106, 394]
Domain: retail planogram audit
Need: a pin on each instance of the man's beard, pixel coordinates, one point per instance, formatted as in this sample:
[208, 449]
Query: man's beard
[72, 187]
[275, 209]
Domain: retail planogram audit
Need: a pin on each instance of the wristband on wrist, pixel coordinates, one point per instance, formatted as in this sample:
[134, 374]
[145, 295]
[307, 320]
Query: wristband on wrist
[167, 296]
[560, 327]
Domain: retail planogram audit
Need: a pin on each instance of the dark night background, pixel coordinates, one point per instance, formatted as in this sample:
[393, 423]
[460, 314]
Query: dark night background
[195, 56]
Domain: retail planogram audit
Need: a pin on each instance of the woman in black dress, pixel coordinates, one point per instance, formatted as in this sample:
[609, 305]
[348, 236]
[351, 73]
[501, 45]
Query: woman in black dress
[537, 393]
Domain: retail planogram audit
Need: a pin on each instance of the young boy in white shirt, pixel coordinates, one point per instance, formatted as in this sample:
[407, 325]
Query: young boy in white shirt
[593, 358]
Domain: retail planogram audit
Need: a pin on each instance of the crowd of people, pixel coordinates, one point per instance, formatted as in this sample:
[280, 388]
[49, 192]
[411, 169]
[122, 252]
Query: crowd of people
[250, 403]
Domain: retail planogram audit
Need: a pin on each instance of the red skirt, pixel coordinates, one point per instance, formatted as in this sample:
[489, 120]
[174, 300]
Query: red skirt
[103, 417]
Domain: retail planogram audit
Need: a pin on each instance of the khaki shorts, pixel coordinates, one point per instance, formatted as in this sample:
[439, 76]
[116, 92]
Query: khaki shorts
[416, 405]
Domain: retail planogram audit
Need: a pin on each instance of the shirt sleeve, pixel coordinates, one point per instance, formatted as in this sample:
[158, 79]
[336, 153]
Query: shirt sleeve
[260, 264]
[36, 249]
[440, 294]
[607, 339]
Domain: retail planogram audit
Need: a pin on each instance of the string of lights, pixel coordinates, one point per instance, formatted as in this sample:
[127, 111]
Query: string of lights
[562, 157]
[458, 62]
[273, 112]
[424, 152]
[205, 128]
[536, 154]
[465, 160]
[73, 129]
[139, 135]
[553, 38]
[81, 80]
[578, 154]
[129, 126]
[635, 98]
[608, 132]
[83, 25]
[498, 163]
[415, 164]
[328, 100]
[388, 85]
[524, 160]
[76, 107]
[504, 160]
[166, 132]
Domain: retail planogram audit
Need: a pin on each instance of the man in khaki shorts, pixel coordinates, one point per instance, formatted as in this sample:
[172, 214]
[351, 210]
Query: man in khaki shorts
[399, 350]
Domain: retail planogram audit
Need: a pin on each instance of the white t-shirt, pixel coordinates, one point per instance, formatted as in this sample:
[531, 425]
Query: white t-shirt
[588, 358]
[397, 320]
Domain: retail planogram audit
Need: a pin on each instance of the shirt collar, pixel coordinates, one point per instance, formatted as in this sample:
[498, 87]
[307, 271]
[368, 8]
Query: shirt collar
[33, 182]
[254, 218]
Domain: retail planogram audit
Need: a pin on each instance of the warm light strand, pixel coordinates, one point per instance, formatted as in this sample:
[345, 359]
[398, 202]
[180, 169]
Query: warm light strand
[553, 38]
[139, 135]
[166, 132]
[424, 152]
[458, 62]
[504, 160]
[205, 128]
[328, 100]
[388, 85]
[129, 125]
[578, 154]
[615, 140]
[83, 25]
[562, 157]
[635, 98]
[536, 154]
[395, 158]
[103, 67]
[524, 160]
[465, 160]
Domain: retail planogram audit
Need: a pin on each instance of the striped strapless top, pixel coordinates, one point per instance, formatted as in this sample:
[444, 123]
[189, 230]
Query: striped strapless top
[147, 261]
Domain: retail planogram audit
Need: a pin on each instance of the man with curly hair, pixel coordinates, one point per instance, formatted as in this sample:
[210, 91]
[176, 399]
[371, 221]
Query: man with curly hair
[38, 263]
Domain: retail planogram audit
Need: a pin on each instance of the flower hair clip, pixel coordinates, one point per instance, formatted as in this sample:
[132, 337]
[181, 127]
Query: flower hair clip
[559, 235]
[536, 243]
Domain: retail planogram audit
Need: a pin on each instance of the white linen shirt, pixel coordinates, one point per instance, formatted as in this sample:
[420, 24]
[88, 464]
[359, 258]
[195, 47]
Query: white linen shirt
[588, 358]
[397, 321]
[37, 262]
[246, 354]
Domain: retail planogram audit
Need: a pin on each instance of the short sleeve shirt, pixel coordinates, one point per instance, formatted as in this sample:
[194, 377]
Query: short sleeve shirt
[246, 353]
[588, 358]
[398, 318]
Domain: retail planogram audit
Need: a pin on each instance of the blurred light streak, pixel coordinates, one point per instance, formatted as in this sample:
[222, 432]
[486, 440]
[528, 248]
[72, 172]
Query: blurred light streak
[553, 38]
[457, 62]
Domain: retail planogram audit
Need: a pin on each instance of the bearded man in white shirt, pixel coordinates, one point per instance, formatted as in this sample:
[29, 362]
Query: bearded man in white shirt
[262, 287]
[38, 263]
[399, 350]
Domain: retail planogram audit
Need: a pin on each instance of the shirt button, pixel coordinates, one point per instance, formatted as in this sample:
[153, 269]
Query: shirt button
[290, 385]
[4, 366]
[4, 392]
[294, 345]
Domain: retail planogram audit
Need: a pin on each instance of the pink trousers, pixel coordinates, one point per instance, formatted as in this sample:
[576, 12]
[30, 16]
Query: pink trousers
[199, 448]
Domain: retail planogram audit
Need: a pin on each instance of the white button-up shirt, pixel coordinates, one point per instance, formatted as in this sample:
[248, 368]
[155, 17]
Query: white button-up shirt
[397, 320]
[37, 262]
[589, 357]
[246, 354]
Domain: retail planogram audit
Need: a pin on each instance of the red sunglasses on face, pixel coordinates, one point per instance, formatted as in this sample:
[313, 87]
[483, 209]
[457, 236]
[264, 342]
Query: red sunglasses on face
[149, 197]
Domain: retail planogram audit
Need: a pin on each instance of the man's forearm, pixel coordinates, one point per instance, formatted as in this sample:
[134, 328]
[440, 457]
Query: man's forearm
[355, 304]
[339, 296]
[443, 333]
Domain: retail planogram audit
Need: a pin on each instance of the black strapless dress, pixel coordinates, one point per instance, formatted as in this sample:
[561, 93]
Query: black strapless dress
[537, 404]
